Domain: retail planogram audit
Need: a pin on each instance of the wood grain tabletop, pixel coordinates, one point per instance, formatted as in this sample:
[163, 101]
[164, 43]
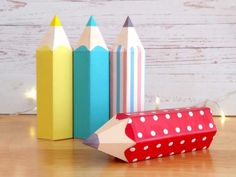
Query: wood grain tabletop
[22, 154]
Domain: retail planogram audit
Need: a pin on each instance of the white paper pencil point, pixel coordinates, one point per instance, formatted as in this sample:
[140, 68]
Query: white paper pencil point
[106, 142]
[56, 36]
[91, 31]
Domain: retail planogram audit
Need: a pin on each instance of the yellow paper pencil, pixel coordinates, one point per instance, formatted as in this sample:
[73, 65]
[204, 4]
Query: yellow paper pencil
[54, 84]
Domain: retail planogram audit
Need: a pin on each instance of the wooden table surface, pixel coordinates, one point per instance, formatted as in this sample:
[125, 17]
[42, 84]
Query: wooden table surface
[22, 154]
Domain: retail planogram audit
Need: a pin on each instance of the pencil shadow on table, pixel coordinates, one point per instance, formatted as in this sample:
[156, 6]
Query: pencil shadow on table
[73, 156]
[179, 164]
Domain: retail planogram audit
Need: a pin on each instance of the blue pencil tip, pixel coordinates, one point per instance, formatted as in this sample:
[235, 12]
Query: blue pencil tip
[91, 21]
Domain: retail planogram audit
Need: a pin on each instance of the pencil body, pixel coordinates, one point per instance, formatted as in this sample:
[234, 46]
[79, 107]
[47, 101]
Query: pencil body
[91, 85]
[91, 99]
[144, 135]
[127, 69]
[54, 92]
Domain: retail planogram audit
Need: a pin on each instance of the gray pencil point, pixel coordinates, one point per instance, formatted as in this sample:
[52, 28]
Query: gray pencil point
[128, 22]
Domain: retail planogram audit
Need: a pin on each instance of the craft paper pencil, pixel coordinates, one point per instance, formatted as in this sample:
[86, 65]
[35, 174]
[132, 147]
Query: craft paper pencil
[91, 81]
[144, 135]
[54, 84]
[127, 68]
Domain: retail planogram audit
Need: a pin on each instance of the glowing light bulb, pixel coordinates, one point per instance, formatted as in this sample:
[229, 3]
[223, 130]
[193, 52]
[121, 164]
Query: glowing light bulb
[223, 118]
[157, 105]
[31, 94]
[32, 132]
[222, 115]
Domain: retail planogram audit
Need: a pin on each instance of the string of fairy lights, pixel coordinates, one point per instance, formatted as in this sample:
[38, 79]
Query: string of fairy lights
[31, 95]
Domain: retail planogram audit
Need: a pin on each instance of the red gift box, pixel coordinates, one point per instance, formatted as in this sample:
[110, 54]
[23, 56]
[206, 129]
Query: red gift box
[144, 135]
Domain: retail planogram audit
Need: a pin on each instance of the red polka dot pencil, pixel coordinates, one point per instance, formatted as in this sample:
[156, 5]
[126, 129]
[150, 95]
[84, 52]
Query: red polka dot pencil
[151, 134]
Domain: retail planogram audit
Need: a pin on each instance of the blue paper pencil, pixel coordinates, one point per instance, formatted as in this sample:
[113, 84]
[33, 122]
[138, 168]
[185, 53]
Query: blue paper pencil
[91, 81]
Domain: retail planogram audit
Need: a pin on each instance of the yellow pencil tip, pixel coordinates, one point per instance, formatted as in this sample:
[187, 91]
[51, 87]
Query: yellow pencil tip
[56, 21]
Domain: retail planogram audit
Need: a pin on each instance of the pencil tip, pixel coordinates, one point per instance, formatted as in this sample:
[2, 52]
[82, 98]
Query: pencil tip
[56, 21]
[128, 22]
[92, 141]
[91, 21]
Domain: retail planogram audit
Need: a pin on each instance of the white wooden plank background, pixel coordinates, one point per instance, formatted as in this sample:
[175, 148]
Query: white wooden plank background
[190, 46]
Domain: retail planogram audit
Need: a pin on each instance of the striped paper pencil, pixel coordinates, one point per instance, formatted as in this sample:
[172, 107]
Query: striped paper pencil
[151, 134]
[54, 84]
[127, 64]
[91, 82]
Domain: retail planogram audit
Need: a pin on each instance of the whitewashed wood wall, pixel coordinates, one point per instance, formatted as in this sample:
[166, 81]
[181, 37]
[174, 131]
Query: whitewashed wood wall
[190, 46]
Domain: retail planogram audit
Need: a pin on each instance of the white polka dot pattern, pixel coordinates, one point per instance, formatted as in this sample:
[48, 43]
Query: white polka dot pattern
[177, 129]
[140, 135]
[165, 133]
[211, 125]
[172, 153]
[142, 119]
[153, 133]
[200, 127]
[189, 128]
[167, 116]
[132, 149]
[202, 112]
[193, 140]
[155, 117]
[179, 115]
[190, 114]
[160, 155]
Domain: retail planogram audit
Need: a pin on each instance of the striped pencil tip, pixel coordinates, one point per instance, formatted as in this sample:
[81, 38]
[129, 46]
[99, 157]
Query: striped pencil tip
[128, 22]
[92, 141]
[91, 21]
[56, 21]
